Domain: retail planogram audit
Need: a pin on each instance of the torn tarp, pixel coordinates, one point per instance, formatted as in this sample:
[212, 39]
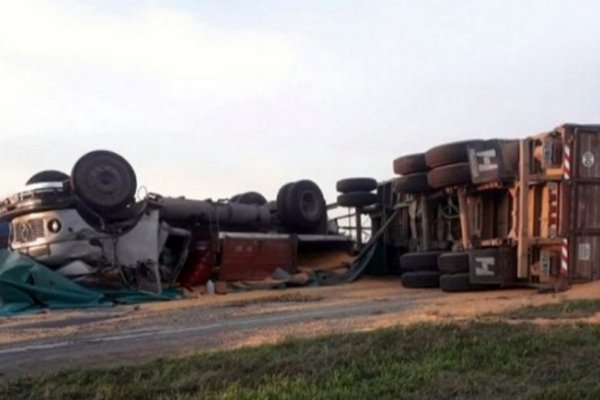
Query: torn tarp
[26, 286]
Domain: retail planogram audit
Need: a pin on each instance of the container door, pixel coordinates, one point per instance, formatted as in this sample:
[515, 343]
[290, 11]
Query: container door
[585, 203]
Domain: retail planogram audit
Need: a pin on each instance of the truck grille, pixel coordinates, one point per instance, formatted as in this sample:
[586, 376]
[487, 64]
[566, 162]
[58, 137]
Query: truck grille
[28, 231]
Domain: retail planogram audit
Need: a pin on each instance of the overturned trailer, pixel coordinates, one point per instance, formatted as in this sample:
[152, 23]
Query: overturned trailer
[554, 224]
[526, 211]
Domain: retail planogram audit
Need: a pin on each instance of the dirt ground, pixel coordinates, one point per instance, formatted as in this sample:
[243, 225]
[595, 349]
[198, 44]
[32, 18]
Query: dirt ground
[127, 334]
[433, 306]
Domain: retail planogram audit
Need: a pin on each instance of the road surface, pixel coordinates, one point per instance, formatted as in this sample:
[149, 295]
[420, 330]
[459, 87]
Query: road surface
[126, 335]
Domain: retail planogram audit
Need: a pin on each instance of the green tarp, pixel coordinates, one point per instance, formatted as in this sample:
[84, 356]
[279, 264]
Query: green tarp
[27, 286]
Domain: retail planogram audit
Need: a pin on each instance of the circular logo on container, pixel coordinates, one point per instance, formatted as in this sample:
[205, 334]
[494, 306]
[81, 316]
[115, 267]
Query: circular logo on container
[588, 159]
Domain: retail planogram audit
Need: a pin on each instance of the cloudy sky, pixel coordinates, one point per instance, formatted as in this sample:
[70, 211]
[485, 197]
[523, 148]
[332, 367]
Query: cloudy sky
[210, 98]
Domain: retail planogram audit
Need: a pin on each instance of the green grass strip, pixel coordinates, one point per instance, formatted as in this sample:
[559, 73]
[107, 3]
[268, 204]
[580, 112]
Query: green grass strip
[564, 309]
[472, 361]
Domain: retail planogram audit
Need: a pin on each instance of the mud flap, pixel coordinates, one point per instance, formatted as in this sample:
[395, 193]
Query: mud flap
[493, 266]
[492, 160]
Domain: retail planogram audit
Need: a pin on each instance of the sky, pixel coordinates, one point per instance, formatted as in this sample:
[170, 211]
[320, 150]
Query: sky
[213, 98]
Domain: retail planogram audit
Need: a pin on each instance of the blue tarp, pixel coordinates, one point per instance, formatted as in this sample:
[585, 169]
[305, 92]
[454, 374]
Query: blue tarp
[27, 286]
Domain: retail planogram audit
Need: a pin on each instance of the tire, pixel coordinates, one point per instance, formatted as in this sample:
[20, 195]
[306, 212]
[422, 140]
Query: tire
[49, 175]
[449, 175]
[282, 202]
[460, 283]
[410, 164]
[451, 153]
[425, 261]
[322, 227]
[250, 198]
[453, 263]
[356, 199]
[413, 183]
[304, 206]
[104, 180]
[356, 185]
[422, 279]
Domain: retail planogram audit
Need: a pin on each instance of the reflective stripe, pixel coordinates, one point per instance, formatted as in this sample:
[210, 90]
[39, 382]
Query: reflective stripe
[564, 258]
[567, 162]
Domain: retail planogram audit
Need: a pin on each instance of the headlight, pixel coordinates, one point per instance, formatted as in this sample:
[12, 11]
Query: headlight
[54, 225]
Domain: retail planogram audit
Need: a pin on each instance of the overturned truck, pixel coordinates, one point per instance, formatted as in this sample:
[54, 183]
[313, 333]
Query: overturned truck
[88, 226]
[496, 213]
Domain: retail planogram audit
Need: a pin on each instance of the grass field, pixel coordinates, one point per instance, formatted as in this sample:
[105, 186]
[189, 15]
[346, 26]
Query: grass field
[566, 309]
[492, 360]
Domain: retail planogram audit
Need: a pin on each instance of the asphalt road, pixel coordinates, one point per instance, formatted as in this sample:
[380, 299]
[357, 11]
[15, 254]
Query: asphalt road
[168, 337]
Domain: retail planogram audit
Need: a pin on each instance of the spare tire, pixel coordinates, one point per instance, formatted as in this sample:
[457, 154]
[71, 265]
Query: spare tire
[420, 261]
[413, 183]
[356, 185]
[450, 153]
[48, 175]
[454, 263]
[410, 164]
[250, 198]
[104, 180]
[422, 279]
[449, 175]
[304, 206]
[356, 199]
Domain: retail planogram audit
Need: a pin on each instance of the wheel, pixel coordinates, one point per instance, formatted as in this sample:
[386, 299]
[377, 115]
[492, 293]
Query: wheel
[250, 198]
[304, 206]
[410, 164]
[281, 202]
[104, 180]
[449, 175]
[460, 283]
[356, 185]
[453, 263]
[413, 183]
[322, 227]
[356, 199]
[450, 153]
[49, 175]
[424, 261]
[422, 279]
